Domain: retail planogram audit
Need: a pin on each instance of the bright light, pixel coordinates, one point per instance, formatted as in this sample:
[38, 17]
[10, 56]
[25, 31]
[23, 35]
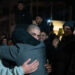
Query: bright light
[48, 21]
[57, 25]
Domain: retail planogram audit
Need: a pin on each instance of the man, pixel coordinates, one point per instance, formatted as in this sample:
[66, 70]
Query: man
[43, 36]
[22, 16]
[21, 70]
[64, 61]
[33, 30]
[41, 22]
[27, 46]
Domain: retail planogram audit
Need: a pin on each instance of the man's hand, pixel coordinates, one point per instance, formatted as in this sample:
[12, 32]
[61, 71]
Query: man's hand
[48, 67]
[29, 68]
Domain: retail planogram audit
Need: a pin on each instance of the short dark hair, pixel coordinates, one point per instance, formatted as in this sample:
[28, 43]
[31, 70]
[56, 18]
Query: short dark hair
[20, 2]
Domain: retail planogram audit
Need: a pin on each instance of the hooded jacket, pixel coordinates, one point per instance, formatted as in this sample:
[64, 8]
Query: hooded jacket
[27, 47]
[7, 71]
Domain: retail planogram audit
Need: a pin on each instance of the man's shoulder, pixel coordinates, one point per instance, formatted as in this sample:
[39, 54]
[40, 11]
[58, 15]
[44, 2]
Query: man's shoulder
[22, 45]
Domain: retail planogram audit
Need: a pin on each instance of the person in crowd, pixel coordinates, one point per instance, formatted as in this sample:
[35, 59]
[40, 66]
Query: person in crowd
[3, 39]
[26, 68]
[51, 44]
[51, 47]
[3, 35]
[68, 28]
[17, 70]
[51, 34]
[22, 15]
[55, 41]
[49, 40]
[41, 22]
[74, 30]
[28, 47]
[43, 36]
[10, 42]
[64, 59]
[51, 27]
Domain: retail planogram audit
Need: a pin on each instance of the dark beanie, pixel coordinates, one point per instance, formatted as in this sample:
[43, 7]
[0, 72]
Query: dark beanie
[70, 24]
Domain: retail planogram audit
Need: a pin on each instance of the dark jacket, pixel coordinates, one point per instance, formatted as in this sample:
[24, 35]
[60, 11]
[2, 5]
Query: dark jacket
[50, 49]
[23, 17]
[44, 27]
[64, 62]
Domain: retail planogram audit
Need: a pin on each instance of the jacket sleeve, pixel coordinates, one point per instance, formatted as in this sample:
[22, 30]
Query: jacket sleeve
[6, 71]
[9, 52]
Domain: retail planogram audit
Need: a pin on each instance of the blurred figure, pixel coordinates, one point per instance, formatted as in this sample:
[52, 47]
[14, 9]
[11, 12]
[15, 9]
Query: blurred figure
[51, 34]
[39, 19]
[27, 45]
[51, 44]
[41, 22]
[43, 36]
[4, 39]
[68, 29]
[51, 26]
[10, 42]
[64, 59]
[74, 30]
[55, 42]
[22, 15]
[51, 48]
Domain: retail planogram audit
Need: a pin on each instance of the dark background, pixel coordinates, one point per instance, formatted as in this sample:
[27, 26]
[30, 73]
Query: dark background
[54, 9]
[57, 9]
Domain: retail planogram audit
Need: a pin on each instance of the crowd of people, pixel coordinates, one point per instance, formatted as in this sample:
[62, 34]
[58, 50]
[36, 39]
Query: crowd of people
[34, 49]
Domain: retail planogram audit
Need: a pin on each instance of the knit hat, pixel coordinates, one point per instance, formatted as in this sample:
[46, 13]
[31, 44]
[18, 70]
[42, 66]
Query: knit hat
[70, 24]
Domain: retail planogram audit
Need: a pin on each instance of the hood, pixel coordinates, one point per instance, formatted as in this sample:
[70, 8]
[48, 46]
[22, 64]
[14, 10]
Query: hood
[21, 36]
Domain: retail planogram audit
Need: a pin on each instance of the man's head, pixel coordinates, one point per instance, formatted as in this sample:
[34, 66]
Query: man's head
[68, 28]
[34, 30]
[20, 6]
[55, 41]
[4, 41]
[43, 36]
[38, 19]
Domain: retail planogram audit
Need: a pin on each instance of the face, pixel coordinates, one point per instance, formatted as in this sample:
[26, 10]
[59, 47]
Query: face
[67, 30]
[20, 6]
[38, 19]
[10, 42]
[35, 33]
[4, 41]
[74, 32]
[55, 42]
[43, 36]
